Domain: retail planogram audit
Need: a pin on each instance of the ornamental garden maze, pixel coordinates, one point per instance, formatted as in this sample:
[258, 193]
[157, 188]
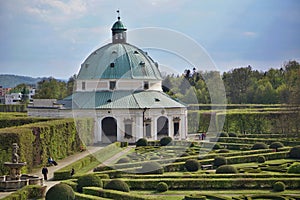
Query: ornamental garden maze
[153, 146]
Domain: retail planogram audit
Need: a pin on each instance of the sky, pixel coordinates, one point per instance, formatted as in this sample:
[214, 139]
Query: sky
[43, 38]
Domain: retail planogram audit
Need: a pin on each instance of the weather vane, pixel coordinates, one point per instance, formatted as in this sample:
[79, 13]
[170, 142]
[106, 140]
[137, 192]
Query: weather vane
[118, 11]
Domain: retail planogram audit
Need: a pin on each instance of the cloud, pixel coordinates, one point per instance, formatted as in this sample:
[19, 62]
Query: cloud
[55, 11]
[249, 34]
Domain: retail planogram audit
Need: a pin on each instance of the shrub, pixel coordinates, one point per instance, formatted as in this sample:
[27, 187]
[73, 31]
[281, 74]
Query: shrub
[261, 159]
[294, 169]
[123, 160]
[232, 134]
[223, 134]
[295, 152]
[142, 142]
[152, 168]
[226, 169]
[195, 197]
[259, 145]
[88, 180]
[162, 187]
[192, 165]
[117, 184]
[60, 191]
[165, 141]
[279, 186]
[217, 146]
[223, 151]
[219, 160]
[276, 145]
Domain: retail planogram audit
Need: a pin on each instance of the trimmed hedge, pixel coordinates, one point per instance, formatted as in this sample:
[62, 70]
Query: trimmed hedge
[219, 161]
[165, 141]
[276, 145]
[142, 142]
[60, 191]
[294, 169]
[79, 196]
[279, 186]
[13, 107]
[117, 184]
[212, 183]
[37, 141]
[27, 192]
[162, 187]
[112, 194]
[192, 165]
[295, 152]
[226, 169]
[88, 180]
[259, 145]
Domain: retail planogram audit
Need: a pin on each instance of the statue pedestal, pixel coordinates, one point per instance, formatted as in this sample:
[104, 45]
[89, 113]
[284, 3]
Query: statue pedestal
[14, 170]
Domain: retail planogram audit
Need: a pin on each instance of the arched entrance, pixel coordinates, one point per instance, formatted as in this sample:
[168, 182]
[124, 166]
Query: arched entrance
[109, 130]
[162, 127]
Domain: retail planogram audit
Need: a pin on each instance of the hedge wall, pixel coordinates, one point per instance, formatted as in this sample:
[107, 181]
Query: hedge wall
[262, 121]
[112, 194]
[210, 183]
[13, 108]
[38, 141]
[20, 121]
[80, 196]
[28, 192]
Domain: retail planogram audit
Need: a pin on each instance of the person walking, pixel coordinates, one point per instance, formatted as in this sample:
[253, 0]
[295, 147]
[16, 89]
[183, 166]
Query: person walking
[45, 172]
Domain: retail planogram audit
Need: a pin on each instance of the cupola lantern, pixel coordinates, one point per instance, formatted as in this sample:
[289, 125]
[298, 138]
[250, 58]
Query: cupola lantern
[118, 31]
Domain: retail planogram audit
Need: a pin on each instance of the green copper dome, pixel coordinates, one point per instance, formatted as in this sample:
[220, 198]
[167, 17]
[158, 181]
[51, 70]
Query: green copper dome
[119, 61]
[118, 27]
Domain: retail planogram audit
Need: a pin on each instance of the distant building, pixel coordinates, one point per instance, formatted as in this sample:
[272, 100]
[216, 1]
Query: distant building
[4, 91]
[13, 98]
[120, 86]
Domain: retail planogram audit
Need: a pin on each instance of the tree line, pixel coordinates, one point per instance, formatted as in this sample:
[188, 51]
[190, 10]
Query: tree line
[242, 85]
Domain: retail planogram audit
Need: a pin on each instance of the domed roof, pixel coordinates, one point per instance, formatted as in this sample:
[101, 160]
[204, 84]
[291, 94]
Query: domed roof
[118, 27]
[119, 61]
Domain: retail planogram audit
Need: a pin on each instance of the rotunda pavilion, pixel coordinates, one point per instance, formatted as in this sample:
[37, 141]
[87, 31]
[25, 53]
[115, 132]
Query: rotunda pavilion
[120, 86]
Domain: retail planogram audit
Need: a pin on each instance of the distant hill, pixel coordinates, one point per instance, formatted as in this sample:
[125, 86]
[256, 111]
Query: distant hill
[10, 81]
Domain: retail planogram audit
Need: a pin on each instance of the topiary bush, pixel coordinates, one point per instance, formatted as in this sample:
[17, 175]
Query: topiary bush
[217, 146]
[295, 152]
[165, 141]
[259, 145]
[231, 134]
[223, 151]
[192, 165]
[279, 186]
[261, 159]
[123, 160]
[117, 184]
[162, 187]
[142, 142]
[276, 145]
[294, 168]
[223, 134]
[60, 191]
[226, 169]
[152, 168]
[219, 161]
[88, 180]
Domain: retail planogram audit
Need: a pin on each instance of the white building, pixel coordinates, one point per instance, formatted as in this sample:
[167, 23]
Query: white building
[13, 98]
[120, 86]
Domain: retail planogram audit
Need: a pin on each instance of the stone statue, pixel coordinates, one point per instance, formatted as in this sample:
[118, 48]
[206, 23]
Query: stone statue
[15, 156]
